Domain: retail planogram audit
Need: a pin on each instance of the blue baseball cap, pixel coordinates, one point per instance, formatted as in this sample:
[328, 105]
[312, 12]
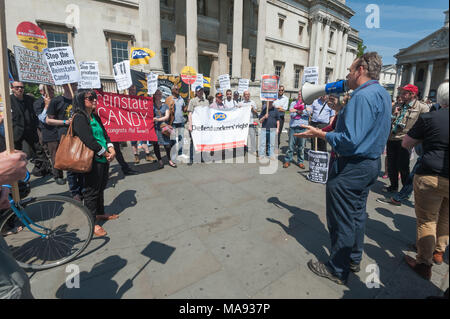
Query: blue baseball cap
[198, 88]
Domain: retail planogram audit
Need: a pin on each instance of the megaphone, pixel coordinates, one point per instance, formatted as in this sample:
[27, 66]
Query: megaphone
[311, 92]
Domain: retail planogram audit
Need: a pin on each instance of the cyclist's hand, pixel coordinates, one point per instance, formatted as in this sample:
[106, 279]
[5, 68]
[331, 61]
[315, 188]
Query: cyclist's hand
[13, 167]
[4, 202]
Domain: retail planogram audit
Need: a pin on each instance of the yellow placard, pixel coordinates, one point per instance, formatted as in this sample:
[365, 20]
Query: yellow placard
[188, 75]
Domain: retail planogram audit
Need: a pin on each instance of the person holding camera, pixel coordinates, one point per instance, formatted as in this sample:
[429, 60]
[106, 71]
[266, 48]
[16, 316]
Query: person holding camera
[403, 120]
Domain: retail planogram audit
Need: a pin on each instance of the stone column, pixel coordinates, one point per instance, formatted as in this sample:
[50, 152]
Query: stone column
[316, 57]
[261, 40]
[223, 38]
[338, 54]
[237, 38]
[326, 40]
[150, 36]
[412, 74]
[446, 72]
[312, 41]
[246, 67]
[343, 68]
[214, 73]
[398, 80]
[426, 90]
[180, 36]
[191, 30]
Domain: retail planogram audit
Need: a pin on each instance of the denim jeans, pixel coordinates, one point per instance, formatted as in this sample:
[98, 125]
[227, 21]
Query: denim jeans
[179, 139]
[252, 142]
[408, 187]
[296, 146]
[267, 139]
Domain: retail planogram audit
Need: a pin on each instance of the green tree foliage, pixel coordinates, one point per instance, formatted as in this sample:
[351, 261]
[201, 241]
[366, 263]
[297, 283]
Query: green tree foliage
[361, 49]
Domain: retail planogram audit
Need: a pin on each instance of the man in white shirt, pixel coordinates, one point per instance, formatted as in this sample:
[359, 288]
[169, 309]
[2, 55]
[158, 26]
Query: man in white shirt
[282, 104]
[229, 103]
[252, 145]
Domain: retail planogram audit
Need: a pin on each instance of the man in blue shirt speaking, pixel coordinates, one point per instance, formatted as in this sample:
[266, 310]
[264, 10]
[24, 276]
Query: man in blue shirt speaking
[361, 133]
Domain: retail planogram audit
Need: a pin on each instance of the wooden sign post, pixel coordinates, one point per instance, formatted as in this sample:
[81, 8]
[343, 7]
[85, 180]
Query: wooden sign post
[4, 92]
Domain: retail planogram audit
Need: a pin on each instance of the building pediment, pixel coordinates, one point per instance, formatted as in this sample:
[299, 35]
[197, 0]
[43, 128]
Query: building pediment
[434, 43]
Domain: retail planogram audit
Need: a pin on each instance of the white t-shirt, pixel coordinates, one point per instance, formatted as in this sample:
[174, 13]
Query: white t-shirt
[282, 102]
[252, 105]
[229, 104]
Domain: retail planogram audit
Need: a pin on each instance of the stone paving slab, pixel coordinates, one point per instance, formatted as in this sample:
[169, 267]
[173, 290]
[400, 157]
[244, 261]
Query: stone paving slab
[227, 231]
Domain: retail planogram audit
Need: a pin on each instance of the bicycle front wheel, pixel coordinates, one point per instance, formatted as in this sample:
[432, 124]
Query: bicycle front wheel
[66, 224]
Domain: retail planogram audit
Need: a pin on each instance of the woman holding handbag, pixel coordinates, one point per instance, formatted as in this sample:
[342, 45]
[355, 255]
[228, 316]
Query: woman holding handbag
[89, 128]
[163, 130]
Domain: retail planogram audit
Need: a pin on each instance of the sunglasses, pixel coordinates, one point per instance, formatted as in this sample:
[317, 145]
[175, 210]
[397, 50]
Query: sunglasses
[18, 87]
[91, 98]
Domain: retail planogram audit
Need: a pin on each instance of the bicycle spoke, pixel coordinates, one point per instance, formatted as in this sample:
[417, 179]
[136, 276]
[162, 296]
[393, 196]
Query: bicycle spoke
[68, 227]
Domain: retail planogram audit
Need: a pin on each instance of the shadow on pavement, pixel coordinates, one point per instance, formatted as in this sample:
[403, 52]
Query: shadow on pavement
[301, 218]
[98, 283]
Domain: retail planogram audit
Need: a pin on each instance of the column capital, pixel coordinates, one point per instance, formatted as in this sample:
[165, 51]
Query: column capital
[317, 18]
[328, 21]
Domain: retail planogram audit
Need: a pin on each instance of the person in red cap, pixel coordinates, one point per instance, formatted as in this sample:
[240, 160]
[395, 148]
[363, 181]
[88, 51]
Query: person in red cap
[403, 119]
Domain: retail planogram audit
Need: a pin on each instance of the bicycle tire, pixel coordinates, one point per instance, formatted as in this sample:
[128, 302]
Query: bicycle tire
[69, 229]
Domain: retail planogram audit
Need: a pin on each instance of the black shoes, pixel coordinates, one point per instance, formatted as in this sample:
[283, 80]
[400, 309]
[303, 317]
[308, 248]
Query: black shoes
[321, 270]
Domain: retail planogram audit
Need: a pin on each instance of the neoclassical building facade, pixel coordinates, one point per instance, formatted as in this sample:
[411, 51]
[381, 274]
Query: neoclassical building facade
[244, 38]
[425, 63]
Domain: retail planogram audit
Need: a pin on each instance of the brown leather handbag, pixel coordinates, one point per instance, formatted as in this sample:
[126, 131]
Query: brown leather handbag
[72, 154]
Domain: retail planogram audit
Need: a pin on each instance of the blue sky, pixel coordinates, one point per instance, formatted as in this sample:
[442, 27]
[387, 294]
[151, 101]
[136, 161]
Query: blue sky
[402, 23]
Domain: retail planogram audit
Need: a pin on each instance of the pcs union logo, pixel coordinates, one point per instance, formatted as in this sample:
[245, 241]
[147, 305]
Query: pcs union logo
[139, 54]
[219, 117]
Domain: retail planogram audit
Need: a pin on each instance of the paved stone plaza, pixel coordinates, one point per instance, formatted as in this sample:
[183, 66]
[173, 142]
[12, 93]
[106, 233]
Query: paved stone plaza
[227, 231]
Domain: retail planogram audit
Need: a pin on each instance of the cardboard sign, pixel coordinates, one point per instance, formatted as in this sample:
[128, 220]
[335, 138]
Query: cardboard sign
[318, 166]
[311, 75]
[31, 36]
[89, 76]
[269, 87]
[243, 85]
[188, 75]
[122, 75]
[32, 67]
[126, 118]
[198, 82]
[62, 64]
[225, 83]
[152, 83]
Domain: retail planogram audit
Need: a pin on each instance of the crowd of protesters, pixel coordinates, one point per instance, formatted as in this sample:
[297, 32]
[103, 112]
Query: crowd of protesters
[328, 120]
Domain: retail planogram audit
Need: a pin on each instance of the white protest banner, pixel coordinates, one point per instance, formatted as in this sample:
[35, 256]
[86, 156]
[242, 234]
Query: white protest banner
[32, 67]
[311, 75]
[198, 81]
[216, 130]
[318, 167]
[89, 75]
[122, 75]
[62, 64]
[225, 83]
[152, 83]
[243, 85]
